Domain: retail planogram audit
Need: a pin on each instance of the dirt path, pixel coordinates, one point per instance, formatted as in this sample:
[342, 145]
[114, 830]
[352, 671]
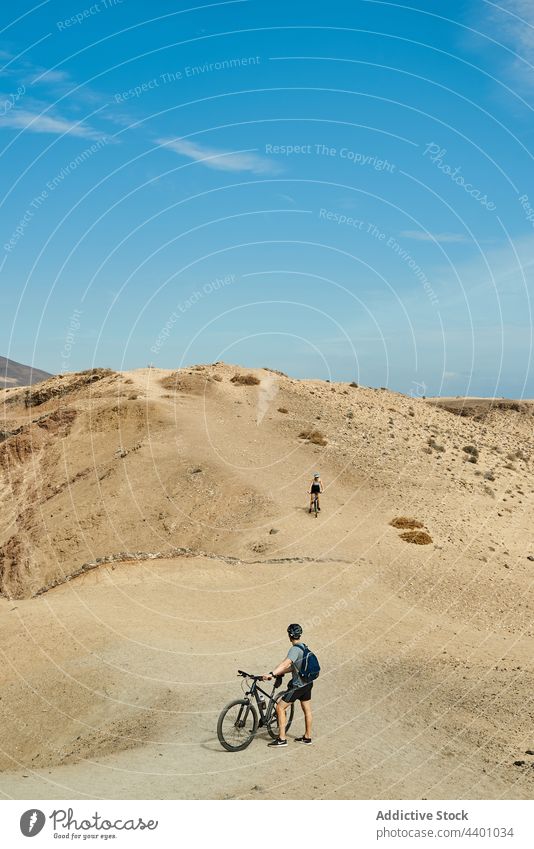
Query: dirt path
[124, 672]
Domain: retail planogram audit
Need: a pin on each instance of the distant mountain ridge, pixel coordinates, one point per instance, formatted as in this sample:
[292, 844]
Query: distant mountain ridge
[17, 374]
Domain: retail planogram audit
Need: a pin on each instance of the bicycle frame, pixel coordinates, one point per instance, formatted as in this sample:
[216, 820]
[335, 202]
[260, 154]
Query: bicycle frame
[254, 693]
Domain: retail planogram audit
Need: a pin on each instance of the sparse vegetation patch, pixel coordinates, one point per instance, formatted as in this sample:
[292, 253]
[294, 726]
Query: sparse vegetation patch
[416, 537]
[314, 436]
[245, 379]
[405, 522]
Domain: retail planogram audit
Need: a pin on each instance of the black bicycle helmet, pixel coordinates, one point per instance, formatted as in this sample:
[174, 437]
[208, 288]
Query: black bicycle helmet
[294, 631]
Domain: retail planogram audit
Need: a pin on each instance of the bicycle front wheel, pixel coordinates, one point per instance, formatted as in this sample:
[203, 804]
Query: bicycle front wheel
[237, 725]
[272, 725]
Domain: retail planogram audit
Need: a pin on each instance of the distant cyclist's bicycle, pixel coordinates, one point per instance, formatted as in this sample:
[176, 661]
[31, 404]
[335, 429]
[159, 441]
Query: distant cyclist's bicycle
[241, 719]
[315, 504]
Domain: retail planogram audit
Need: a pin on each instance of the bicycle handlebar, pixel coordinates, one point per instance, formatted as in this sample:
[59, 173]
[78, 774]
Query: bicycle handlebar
[248, 675]
[277, 679]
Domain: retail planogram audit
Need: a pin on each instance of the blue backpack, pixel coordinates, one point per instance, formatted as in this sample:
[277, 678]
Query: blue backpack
[309, 668]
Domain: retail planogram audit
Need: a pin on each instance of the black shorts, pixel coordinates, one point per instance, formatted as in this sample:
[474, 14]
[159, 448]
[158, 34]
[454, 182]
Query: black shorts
[316, 488]
[300, 694]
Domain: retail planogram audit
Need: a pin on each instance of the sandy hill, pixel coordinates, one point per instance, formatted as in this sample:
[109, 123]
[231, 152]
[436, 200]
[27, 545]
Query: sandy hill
[155, 536]
[16, 374]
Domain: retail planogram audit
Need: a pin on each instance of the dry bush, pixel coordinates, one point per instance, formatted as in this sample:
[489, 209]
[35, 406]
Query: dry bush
[472, 450]
[404, 522]
[185, 381]
[416, 537]
[518, 455]
[217, 377]
[170, 381]
[435, 445]
[128, 380]
[283, 410]
[314, 436]
[245, 379]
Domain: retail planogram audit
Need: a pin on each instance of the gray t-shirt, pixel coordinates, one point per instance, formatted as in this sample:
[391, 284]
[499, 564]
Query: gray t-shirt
[295, 655]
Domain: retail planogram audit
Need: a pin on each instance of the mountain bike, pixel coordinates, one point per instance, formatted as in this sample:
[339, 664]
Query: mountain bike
[315, 504]
[241, 719]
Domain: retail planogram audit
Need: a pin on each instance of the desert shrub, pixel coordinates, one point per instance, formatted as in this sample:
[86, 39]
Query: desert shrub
[517, 455]
[132, 396]
[283, 410]
[217, 377]
[354, 384]
[435, 445]
[472, 458]
[472, 450]
[170, 381]
[245, 379]
[489, 476]
[416, 537]
[128, 380]
[404, 522]
[314, 436]
[350, 414]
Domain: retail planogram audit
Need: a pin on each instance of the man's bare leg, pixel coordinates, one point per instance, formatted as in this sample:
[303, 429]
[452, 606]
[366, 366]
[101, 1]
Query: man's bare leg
[281, 708]
[306, 707]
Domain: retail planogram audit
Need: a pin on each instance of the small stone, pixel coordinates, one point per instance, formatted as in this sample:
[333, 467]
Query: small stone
[519, 763]
[274, 531]
[530, 557]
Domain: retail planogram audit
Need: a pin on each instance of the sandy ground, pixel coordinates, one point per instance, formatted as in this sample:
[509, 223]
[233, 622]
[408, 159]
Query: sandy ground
[112, 681]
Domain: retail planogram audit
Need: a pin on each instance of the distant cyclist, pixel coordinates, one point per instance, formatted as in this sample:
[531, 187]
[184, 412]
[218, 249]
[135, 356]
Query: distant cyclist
[299, 690]
[316, 487]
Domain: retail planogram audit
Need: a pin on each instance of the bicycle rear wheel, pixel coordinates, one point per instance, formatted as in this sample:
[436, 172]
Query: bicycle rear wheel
[272, 725]
[316, 506]
[237, 725]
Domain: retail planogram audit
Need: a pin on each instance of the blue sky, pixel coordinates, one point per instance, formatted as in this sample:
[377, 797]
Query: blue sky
[338, 190]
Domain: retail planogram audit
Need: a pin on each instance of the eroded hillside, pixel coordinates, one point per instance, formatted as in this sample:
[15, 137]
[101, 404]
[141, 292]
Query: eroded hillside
[217, 459]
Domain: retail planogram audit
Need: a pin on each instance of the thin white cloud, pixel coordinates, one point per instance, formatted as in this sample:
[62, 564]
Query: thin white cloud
[43, 76]
[442, 238]
[513, 25]
[221, 160]
[37, 122]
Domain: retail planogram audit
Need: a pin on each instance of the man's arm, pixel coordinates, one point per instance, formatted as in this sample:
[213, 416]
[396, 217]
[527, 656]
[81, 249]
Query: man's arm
[281, 669]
